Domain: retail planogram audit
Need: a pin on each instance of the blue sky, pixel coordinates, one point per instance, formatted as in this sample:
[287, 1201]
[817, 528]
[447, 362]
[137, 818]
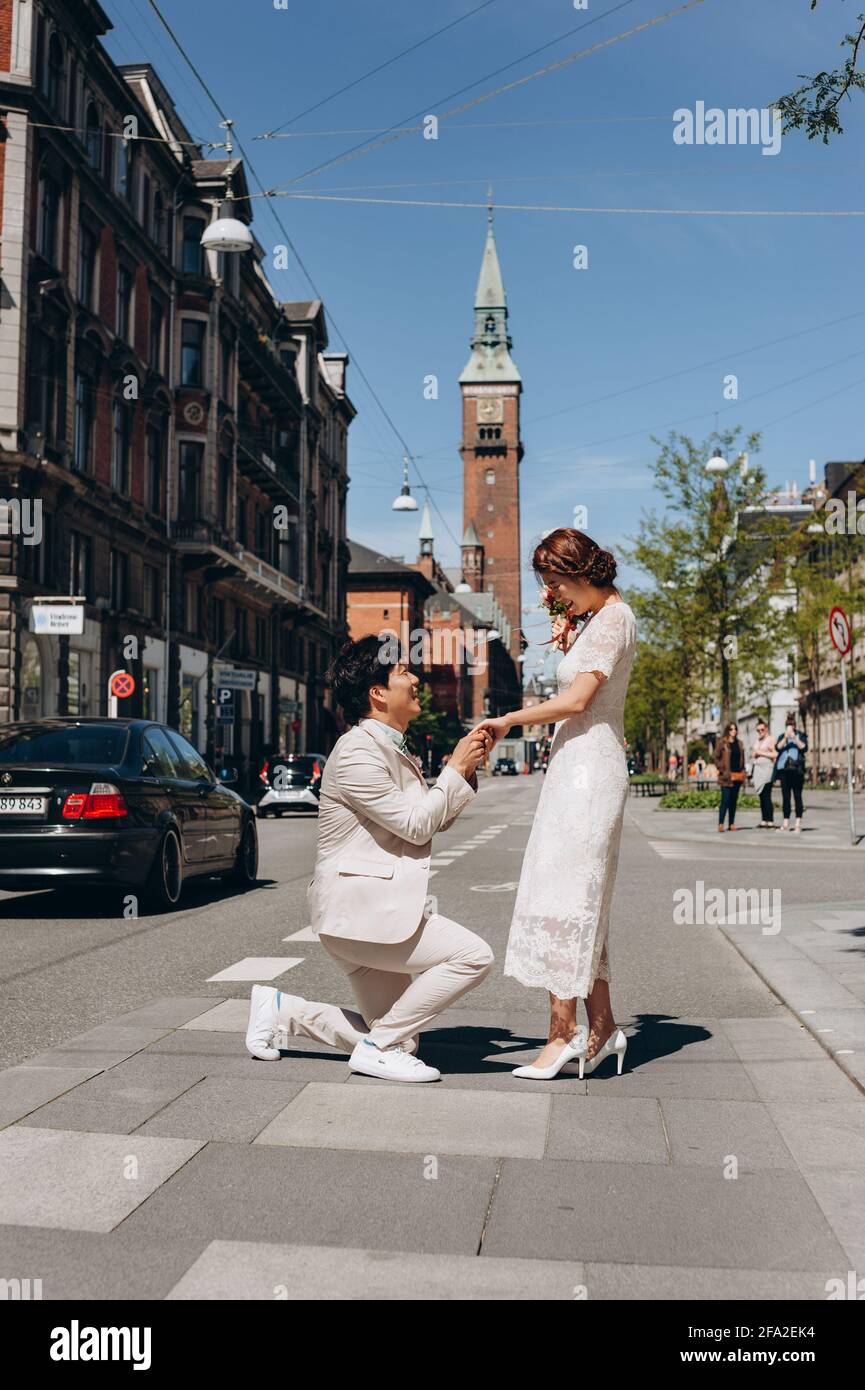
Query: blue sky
[661, 295]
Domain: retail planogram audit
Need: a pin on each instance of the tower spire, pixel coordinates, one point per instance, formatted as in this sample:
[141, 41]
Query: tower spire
[491, 343]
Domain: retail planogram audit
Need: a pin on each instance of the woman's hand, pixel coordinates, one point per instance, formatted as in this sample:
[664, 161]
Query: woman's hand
[497, 728]
[562, 629]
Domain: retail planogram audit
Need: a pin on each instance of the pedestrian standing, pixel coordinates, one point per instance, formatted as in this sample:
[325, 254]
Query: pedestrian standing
[730, 762]
[764, 754]
[792, 746]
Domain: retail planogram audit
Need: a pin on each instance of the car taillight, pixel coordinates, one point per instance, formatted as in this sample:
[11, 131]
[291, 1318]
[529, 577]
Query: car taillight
[262, 776]
[316, 770]
[102, 802]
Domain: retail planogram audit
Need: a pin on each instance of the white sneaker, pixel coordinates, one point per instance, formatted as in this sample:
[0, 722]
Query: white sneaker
[393, 1064]
[263, 1023]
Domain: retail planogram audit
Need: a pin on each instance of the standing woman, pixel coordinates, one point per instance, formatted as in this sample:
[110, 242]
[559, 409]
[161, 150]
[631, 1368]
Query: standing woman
[730, 762]
[792, 746]
[558, 936]
[764, 755]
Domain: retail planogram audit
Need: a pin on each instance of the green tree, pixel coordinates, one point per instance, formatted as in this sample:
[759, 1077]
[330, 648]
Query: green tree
[814, 107]
[708, 605]
[443, 727]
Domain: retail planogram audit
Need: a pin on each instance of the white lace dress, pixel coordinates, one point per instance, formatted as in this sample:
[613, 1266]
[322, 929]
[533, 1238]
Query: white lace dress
[558, 936]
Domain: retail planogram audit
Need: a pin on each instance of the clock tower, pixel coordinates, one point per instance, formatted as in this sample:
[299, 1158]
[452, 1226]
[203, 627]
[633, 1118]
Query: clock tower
[491, 450]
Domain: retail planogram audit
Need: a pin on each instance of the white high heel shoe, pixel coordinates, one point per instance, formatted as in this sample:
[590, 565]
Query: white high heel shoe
[574, 1050]
[616, 1043]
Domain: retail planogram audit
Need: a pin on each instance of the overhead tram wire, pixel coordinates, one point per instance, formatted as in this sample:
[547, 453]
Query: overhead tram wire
[298, 196]
[284, 232]
[271, 134]
[395, 133]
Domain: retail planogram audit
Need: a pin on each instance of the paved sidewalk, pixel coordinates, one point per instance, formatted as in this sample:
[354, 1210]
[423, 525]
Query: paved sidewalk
[152, 1158]
[825, 824]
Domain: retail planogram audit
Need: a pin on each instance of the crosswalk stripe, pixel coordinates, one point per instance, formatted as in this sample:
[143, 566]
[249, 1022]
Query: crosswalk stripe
[257, 968]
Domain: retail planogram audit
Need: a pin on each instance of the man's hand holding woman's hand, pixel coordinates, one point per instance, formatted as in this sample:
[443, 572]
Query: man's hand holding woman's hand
[471, 751]
[494, 728]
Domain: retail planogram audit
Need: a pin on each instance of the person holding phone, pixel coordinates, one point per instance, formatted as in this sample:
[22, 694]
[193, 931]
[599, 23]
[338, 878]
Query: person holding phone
[792, 746]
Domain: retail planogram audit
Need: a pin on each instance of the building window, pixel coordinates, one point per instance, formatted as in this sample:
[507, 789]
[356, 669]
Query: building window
[144, 212]
[119, 580]
[160, 222]
[241, 636]
[192, 252]
[192, 352]
[80, 564]
[48, 242]
[155, 450]
[124, 303]
[55, 86]
[225, 475]
[121, 446]
[261, 638]
[93, 137]
[189, 480]
[490, 476]
[82, 456]
[193, 613]
[240, 521]
[151, 598]
[157, 319]
[123, 169]
[219, 623]
[88, 247]
[226, 352]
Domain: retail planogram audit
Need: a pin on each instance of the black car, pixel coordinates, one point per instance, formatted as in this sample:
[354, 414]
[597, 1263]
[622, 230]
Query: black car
[506, 767]
[290, 782]
[118, 803]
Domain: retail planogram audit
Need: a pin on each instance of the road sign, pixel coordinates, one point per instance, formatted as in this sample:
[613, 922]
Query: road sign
[57, 619]
[122, 685]
[839, 630]
[237, 680]
[288, 706]
[225, 714]
[842, 639]
[224, 696]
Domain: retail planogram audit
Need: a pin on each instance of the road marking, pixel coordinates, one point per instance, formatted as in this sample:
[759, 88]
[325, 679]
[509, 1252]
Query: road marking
[494, 887]
[305, 934]
[440, 861]
[257, 968]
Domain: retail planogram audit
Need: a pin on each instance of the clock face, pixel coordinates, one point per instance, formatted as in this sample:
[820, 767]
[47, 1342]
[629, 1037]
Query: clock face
[490, 410]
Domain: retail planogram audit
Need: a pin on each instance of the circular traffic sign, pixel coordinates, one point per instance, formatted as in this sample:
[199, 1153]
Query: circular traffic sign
[122, 685]
[839, 630]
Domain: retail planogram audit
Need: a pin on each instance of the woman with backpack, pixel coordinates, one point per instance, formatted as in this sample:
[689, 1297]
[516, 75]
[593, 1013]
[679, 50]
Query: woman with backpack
[792, 746]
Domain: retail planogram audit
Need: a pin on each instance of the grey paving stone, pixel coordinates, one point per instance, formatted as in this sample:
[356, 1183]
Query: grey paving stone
[173, 1013]
[84, 1265]
[412, 1119]
[60, 1178]
[109, 1104]
[820, 1081]
[847, 1025]
[830, 1135]
[186, 1063]
[627, 1130]
[646, 1282]
[25, 1088]
[718, 1080]
[102, 1047]
[678, 1040]
[221, 1054]
[466, 1078]
[771, 1039]
[225, 1016]
[235, 1270]
[323, 1197]
[841, 1197]
[705, 1132]
[806, 986]
[224, 1108]
[650, 1214]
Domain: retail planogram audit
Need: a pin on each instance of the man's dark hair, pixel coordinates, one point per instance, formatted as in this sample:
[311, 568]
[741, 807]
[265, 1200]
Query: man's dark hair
[357, 667]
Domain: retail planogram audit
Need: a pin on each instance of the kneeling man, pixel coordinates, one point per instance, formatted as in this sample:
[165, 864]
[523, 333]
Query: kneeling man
[369, 894]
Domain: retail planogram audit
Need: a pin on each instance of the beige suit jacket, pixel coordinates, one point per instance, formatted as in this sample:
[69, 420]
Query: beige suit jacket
[376, 821]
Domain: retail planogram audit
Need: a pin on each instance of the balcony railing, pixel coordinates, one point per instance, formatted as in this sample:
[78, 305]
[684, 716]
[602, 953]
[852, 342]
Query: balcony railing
[280, 465]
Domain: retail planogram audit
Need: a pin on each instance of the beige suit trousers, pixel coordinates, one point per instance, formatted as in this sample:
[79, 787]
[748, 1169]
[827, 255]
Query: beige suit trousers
[400, 987]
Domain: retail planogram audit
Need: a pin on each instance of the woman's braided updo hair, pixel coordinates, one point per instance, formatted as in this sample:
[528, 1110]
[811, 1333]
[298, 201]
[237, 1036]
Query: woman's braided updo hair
[569, 552]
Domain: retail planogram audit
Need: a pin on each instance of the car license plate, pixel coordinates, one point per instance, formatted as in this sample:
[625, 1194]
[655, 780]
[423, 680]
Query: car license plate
[288, 796]
[22, 805]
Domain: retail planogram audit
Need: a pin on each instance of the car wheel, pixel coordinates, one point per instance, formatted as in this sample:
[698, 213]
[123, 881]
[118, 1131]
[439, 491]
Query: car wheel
[165, 882]
[245, 871]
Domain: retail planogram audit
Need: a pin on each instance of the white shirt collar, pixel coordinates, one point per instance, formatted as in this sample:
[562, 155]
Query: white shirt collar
[378, 726]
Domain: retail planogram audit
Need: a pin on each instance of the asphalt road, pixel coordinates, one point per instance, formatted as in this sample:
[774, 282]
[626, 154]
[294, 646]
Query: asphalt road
[68, 963]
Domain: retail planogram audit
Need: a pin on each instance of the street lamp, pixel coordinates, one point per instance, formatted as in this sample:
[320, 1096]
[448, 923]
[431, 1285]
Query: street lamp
[717, 463]
[227, 232]
[404, 502]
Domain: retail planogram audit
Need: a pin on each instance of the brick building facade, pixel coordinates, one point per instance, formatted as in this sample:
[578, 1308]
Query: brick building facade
[183, 432]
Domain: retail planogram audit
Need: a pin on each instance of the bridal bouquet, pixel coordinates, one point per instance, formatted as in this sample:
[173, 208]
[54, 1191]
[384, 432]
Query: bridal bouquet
[557, 608]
